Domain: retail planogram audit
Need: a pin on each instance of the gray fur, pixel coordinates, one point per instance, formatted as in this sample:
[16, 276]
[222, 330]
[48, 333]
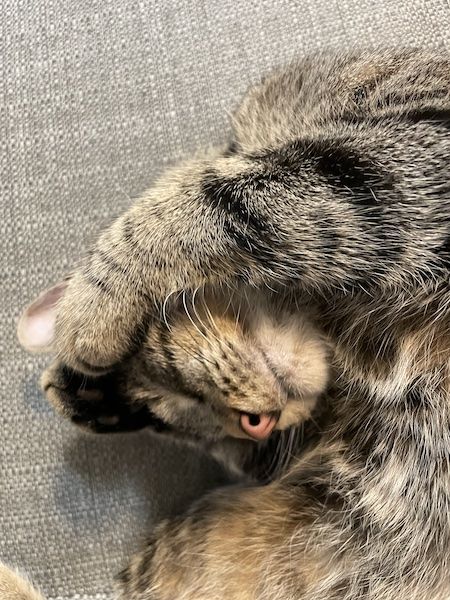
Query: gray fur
[335, 190]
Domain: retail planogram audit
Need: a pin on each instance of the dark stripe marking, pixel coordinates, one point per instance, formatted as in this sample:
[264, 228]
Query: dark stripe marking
[113, 265]
[232, 197]
[144, 568]
[368, 186]
[97, 282]
[410, 98]
[124, 577]
[353, 173]
[248, 229]
[233, 148]
[340, 165]
[414, 396]
[444, 251]
[429, 113]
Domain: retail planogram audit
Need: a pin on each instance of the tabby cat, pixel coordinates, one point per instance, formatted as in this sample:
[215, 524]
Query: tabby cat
[311, 255]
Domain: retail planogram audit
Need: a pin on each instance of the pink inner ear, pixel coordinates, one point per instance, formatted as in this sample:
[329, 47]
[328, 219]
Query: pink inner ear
[36, 328]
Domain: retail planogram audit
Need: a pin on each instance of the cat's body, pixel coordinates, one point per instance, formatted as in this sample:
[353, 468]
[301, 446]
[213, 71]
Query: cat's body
[336, 191]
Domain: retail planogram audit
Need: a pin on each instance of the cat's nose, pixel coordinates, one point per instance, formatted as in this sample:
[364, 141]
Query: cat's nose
[258, 427]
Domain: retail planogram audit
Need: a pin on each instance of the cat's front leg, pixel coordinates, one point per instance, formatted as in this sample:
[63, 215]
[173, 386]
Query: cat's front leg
[328, 206]
[238, 543]
[213, 222]
[174, 238]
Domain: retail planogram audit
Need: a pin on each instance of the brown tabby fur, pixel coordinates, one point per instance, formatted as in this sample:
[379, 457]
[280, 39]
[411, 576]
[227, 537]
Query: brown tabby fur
[335, 195]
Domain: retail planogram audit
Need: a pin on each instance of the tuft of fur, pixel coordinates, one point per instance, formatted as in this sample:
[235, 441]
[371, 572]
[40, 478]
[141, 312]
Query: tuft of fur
[14, 587]
[334, 199]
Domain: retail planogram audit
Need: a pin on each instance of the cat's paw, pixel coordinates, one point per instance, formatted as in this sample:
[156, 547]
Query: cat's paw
[95, 324]
[95, 404]
[90, 324]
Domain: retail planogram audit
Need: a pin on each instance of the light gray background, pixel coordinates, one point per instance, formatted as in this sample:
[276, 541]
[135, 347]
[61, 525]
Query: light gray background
[96, 97]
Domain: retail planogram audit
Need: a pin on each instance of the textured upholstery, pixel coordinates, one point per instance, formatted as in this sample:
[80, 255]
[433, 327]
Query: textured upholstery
[97, 97]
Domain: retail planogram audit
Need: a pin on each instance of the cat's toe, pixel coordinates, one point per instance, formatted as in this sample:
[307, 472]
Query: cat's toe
[94, 403]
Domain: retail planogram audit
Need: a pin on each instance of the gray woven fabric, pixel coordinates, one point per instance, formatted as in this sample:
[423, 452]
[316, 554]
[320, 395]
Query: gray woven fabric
[97, 96]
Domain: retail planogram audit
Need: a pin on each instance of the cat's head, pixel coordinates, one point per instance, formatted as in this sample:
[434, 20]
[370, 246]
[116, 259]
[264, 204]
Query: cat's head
[240, 367]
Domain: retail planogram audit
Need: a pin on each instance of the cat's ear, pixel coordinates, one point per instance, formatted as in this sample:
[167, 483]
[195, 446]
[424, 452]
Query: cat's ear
[36, 327]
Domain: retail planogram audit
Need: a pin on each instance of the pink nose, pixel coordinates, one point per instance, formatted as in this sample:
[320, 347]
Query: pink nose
[259, 427]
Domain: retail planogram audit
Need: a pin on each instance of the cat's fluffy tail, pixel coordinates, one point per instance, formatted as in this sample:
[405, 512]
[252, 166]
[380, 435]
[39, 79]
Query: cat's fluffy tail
[14, 587]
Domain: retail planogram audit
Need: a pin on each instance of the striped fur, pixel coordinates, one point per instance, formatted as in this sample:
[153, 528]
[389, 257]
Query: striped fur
[334, 190]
